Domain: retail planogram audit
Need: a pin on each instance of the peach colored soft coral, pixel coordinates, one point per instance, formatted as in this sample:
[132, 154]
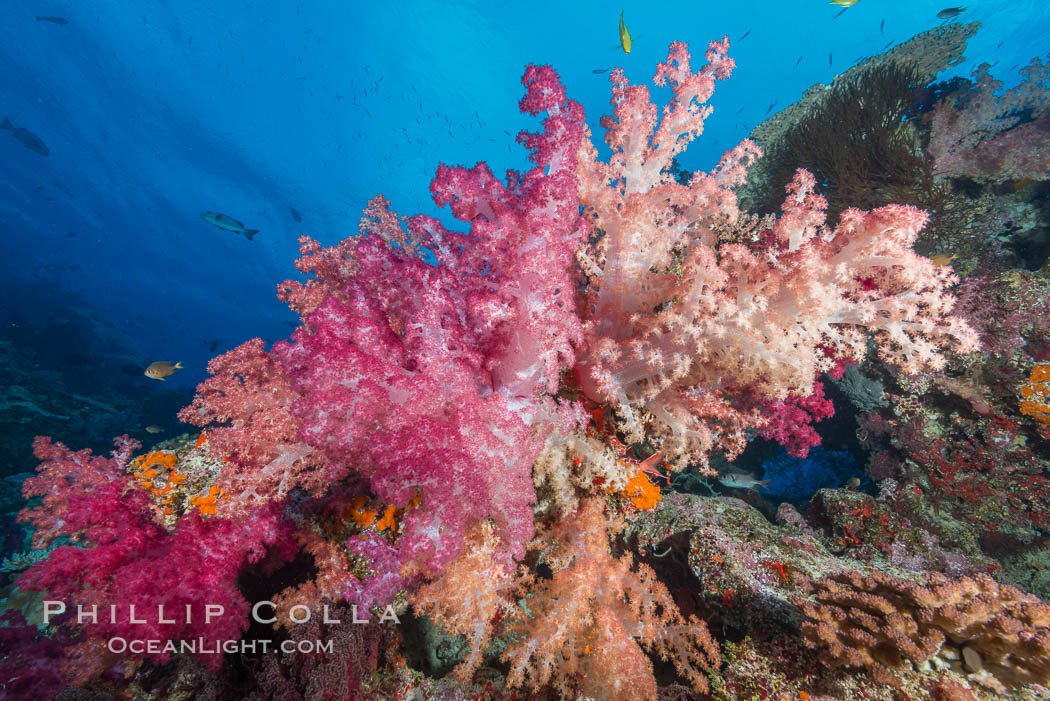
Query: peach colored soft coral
[675, 324]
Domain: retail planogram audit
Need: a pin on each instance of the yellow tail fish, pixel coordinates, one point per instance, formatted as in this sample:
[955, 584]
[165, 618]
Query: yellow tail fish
[625, 36]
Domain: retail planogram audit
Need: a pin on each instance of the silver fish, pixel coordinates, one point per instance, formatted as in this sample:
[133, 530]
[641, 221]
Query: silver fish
[30, 140]
[228, 223]
[739, 480]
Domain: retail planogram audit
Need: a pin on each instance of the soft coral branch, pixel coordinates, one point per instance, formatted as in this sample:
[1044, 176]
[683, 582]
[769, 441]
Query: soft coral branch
[124, 557]
[583, 628]
[246, 407]
[673, 320]
[434, 381]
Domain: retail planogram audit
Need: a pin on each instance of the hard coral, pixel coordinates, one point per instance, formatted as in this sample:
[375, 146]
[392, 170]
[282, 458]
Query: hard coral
[879, 621]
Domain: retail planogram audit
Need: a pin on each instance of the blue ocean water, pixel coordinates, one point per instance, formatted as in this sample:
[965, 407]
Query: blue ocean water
[789, 477]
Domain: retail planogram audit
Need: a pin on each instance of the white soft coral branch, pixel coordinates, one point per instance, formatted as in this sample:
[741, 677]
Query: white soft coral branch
[676, 327]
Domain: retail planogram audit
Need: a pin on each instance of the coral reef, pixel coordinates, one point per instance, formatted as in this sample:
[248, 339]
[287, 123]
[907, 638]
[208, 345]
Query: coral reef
[488, 433]
[887, 80]
[989, 135]
[879, 621]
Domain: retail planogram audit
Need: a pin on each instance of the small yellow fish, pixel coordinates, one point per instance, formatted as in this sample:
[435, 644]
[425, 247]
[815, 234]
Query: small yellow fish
[852, 483]
[625, 36]
[154, 428]
[942, 259]
[844, 3]
[161, 369]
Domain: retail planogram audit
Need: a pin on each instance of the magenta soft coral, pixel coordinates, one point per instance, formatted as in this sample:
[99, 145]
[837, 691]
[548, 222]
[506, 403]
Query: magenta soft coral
[71, 485]
[789, 421]
[435, 380]
[125, 558]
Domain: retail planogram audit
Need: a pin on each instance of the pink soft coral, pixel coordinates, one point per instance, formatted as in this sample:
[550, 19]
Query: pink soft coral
[789, 421]
[124, 557]
[585, 627]
[673, 322]
[435, 380]
[246, 407]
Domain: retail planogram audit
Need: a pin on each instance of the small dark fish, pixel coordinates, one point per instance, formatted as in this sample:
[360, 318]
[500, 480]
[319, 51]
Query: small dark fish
[1000, 45]
[798, 61]
[949, 12]
[888, 45]
[740, 110]
[30, 140]
[829, 58]
[598, 71]
[228, 223]
[295, 214]
[840, 13]
[882, 26]
[71, 234]
[745, 35]
[53, 20]
[771, 106]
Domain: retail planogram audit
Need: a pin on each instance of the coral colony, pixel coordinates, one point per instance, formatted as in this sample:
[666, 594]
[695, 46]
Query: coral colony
[472, 435]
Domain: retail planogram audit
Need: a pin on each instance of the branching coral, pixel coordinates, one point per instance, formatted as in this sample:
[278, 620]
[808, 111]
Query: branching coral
[441, 380]
[789, 421]
[860, 142]
[431, 380]
[674, 327]
[823, 110]
[992, 135]
[125, 559]
[472, 595]
[879, 621]
[246, 403]
[342, 668]
[583, 627]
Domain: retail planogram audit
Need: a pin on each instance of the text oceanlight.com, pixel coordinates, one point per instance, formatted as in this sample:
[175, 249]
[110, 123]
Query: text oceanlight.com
[200, 646]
